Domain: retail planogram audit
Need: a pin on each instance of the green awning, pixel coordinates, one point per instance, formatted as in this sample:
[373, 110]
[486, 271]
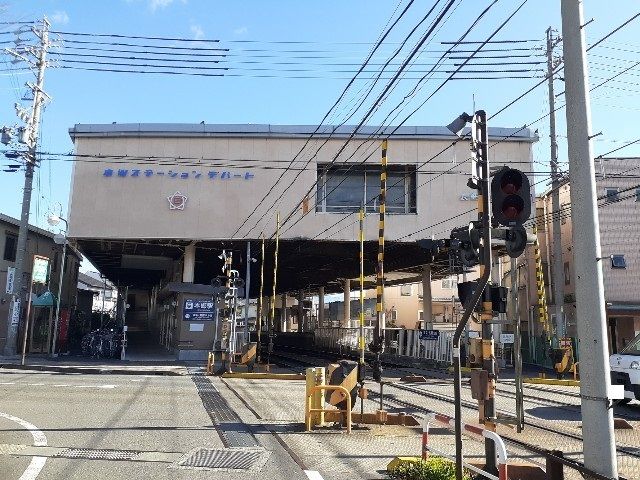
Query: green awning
[47, 299]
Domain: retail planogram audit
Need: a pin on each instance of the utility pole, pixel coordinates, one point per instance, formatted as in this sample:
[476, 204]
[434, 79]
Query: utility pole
[31, 140]
[558, 268]
[595, 382]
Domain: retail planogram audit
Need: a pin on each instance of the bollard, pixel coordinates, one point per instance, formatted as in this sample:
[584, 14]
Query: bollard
[314, 377]
[555, 469]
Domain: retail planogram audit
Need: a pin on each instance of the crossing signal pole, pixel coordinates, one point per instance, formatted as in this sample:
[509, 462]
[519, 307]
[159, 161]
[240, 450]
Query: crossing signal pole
[486, 405]
[504, 201]
[30, 138]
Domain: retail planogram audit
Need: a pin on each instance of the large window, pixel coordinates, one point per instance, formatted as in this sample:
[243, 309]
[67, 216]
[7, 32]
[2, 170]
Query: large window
[10, 247]
[344, 188]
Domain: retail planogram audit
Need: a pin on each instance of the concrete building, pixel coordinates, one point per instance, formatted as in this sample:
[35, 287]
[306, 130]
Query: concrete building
[105, 294]
[404, 306]
[619, 212]
[153, 205]
[39, 242]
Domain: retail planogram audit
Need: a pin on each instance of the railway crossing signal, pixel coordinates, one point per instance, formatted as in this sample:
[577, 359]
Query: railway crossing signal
[510, 197]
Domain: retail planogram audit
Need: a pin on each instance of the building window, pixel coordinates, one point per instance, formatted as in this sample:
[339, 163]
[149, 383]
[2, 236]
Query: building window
[449, 283]
[567, 272]
[565, 211]
[344, 189]
[420, 316]
[405, 290]
[637, 194]
[10, 247]
[394, 315]
[611, 195]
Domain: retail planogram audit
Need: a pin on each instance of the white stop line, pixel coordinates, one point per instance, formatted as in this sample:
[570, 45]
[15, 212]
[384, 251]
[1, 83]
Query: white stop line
[39, 440]
[313, 475]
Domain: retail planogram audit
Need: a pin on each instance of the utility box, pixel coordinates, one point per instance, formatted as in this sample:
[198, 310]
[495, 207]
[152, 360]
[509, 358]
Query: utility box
[479, 381]
[475, 352]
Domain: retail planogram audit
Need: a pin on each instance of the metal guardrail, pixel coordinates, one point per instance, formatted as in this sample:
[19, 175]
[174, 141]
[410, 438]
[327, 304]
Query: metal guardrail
[501, 449]
[308, 410]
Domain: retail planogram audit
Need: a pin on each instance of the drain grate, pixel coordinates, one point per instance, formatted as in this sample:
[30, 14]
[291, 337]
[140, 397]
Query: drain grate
[95, 454]
[233, 431]
[225, 459]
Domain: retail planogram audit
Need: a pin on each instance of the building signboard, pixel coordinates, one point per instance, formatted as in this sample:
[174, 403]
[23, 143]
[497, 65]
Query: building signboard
[429, 334]
[11, 275]
[198, 309]
[15, 313]
[507, 338]
[40, 269]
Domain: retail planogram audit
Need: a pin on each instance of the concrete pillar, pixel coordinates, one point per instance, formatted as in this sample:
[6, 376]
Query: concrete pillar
[321, 307]
[346, 319]
[300, 311]
[427, 299]
[189, 263]
[283, 313]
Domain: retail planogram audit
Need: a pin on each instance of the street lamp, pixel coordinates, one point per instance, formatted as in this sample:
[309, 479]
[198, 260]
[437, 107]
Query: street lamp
[54, 220]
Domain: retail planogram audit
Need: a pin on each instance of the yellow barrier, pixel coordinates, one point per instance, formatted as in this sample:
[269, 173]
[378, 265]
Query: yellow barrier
[308, 410]
[210, 362]
[574, 369]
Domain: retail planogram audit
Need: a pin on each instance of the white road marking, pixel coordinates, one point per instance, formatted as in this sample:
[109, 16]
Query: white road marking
[39, 440]
[59, 385]
[313, 475]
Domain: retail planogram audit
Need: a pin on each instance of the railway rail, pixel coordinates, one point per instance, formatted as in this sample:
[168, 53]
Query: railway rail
[572, 440]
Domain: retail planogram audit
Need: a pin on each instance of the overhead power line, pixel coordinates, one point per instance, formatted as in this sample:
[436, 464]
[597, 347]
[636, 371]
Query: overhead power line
[116, 35]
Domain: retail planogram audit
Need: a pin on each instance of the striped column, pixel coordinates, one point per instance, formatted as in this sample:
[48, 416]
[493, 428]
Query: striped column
[380, 271]
[543, 317]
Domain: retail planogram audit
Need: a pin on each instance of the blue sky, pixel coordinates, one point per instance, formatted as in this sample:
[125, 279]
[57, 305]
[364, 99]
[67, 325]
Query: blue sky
[341, 31]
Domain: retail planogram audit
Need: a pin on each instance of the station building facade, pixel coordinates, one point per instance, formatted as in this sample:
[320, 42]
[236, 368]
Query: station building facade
[154, 205]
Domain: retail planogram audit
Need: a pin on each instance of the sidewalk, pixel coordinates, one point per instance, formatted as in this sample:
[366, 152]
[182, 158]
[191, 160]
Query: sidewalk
[88, 365]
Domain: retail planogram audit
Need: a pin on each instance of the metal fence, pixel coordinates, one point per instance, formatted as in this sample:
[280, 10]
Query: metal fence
[397, 341]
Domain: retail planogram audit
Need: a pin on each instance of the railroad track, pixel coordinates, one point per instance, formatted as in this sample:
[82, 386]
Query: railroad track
[627, 412]
[628, 450]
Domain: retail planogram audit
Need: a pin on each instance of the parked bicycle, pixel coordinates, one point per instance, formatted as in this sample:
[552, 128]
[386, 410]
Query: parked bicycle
[102, 343]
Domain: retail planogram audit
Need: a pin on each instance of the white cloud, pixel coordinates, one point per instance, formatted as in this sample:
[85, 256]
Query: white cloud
[60, 17]
[241, 31]
[155, 4]
[197, 32]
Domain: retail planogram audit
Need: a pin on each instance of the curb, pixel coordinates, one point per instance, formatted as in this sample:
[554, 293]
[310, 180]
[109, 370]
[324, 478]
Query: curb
[89, 370]
[552, 381]
[264, 376]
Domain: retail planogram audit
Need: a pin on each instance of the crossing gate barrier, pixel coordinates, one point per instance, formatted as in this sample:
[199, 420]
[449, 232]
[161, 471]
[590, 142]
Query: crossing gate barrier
[309, 410]
[501, 449]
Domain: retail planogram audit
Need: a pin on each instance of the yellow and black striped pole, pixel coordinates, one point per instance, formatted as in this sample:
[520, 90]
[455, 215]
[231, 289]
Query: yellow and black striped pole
[273, 296]
[260, 302]
[543, 317]
[380, 324]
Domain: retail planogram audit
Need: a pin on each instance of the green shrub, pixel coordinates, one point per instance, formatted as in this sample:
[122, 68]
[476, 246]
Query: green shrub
[435, 468]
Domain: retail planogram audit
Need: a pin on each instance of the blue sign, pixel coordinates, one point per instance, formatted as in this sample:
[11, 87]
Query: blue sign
[196, 174]
[429, 334]
[198, 309]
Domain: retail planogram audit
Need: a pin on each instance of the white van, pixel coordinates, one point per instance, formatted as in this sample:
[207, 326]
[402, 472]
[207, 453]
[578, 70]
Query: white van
[625, 370]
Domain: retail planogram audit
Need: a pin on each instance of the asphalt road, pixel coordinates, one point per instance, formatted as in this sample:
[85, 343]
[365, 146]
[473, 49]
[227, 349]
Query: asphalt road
[160, 415]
